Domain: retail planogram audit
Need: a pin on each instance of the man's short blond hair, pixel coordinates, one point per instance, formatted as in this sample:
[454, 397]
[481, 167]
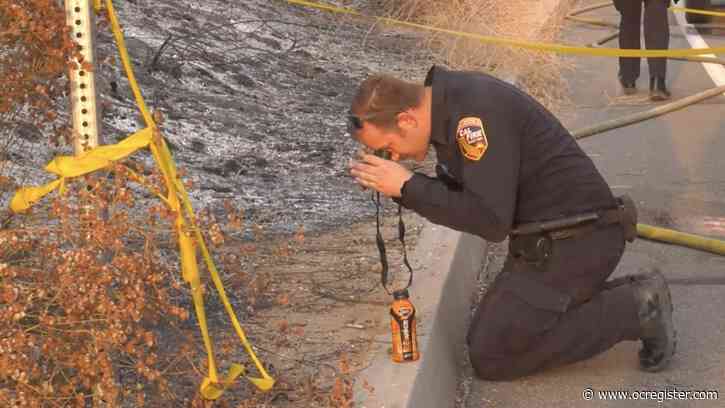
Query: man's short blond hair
[381, 97]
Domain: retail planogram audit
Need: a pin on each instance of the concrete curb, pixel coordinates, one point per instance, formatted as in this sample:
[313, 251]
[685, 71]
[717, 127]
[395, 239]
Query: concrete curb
[442, 292]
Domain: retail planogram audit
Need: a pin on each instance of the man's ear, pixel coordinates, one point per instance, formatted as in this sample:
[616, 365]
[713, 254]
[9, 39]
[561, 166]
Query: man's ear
[407, 121]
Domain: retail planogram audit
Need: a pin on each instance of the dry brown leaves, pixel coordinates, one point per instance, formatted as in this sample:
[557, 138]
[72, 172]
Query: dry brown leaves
[35, 52]
[81, 298]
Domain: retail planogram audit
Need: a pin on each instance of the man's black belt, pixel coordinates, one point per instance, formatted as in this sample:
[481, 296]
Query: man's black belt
[532, 242]
[625, 214]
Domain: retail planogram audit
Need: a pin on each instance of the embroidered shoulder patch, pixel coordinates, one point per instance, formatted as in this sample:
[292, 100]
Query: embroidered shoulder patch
[471, 138]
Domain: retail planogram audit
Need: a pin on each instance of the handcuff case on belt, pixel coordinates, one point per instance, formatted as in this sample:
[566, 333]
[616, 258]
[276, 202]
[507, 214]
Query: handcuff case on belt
[533, 249]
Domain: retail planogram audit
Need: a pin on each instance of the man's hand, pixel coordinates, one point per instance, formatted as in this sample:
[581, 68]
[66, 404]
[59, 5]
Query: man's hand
[385, 176]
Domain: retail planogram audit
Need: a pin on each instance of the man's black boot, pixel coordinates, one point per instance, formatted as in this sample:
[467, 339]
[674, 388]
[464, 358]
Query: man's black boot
[658, 335]
[658, 89]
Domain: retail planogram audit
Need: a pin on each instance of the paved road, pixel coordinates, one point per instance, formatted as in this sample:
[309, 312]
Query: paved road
[674, 168]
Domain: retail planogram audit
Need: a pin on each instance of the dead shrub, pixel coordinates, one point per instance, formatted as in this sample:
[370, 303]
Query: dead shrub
[35, 51]
[84, 296]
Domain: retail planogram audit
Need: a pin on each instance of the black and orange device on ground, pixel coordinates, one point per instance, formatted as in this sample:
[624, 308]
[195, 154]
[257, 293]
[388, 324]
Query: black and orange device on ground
[405, 341]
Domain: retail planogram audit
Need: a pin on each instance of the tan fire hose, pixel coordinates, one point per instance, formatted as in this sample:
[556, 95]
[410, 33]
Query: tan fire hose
[708, 60]
[604, 40]
[643, 230]
[648, 114]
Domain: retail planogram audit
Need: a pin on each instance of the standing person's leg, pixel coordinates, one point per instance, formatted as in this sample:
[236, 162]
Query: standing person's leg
[657, 37]
[629, 38]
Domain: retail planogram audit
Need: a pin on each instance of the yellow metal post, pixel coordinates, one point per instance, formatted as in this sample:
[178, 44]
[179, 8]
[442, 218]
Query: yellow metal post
[79, 16]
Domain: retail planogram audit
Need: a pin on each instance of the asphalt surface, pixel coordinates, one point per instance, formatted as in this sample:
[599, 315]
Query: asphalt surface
[673, 167]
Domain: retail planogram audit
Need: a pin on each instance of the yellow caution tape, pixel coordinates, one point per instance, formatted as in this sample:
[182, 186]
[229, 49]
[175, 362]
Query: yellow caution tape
[211, 387]
[26, 197]
[538, 46]
[188, 234]
[126, 61]
[696, 11]
[75, 166]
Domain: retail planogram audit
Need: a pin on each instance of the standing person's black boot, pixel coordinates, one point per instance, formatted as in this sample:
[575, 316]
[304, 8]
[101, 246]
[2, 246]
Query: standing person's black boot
[658, 335]
[628, 87]
[658, 89]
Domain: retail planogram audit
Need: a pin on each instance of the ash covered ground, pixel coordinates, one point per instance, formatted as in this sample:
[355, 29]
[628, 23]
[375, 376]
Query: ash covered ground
[253, 94]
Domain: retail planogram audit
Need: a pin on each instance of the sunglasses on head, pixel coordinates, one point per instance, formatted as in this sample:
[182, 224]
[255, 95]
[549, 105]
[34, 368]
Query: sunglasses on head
[355, 122]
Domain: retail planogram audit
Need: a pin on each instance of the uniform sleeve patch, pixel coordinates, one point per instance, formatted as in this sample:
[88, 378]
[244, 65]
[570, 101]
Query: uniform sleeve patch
[471, 138]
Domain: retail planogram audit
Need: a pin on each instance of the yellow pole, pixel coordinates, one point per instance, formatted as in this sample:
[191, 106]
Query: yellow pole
[79, 16]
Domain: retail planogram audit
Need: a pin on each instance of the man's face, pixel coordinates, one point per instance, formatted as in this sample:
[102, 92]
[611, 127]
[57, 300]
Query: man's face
[408, 141]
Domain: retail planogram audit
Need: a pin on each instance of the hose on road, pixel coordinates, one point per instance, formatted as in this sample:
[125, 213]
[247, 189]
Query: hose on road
[648, 114]
[715, 246]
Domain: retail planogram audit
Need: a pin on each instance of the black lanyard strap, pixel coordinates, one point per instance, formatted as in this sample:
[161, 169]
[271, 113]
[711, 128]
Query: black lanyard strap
[381, 243]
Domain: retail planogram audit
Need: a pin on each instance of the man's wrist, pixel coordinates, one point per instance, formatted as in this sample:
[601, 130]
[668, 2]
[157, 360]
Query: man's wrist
[405, 187]
[405, 183]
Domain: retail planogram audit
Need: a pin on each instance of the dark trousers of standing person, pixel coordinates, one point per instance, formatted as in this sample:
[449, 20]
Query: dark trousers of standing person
[656, 36]
[538, 317]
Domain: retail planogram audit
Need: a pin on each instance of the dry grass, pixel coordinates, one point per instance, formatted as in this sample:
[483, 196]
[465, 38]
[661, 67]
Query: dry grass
[539, 73]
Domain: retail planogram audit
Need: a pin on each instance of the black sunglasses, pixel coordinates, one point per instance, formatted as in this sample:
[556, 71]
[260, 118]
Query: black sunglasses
[355, 123]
